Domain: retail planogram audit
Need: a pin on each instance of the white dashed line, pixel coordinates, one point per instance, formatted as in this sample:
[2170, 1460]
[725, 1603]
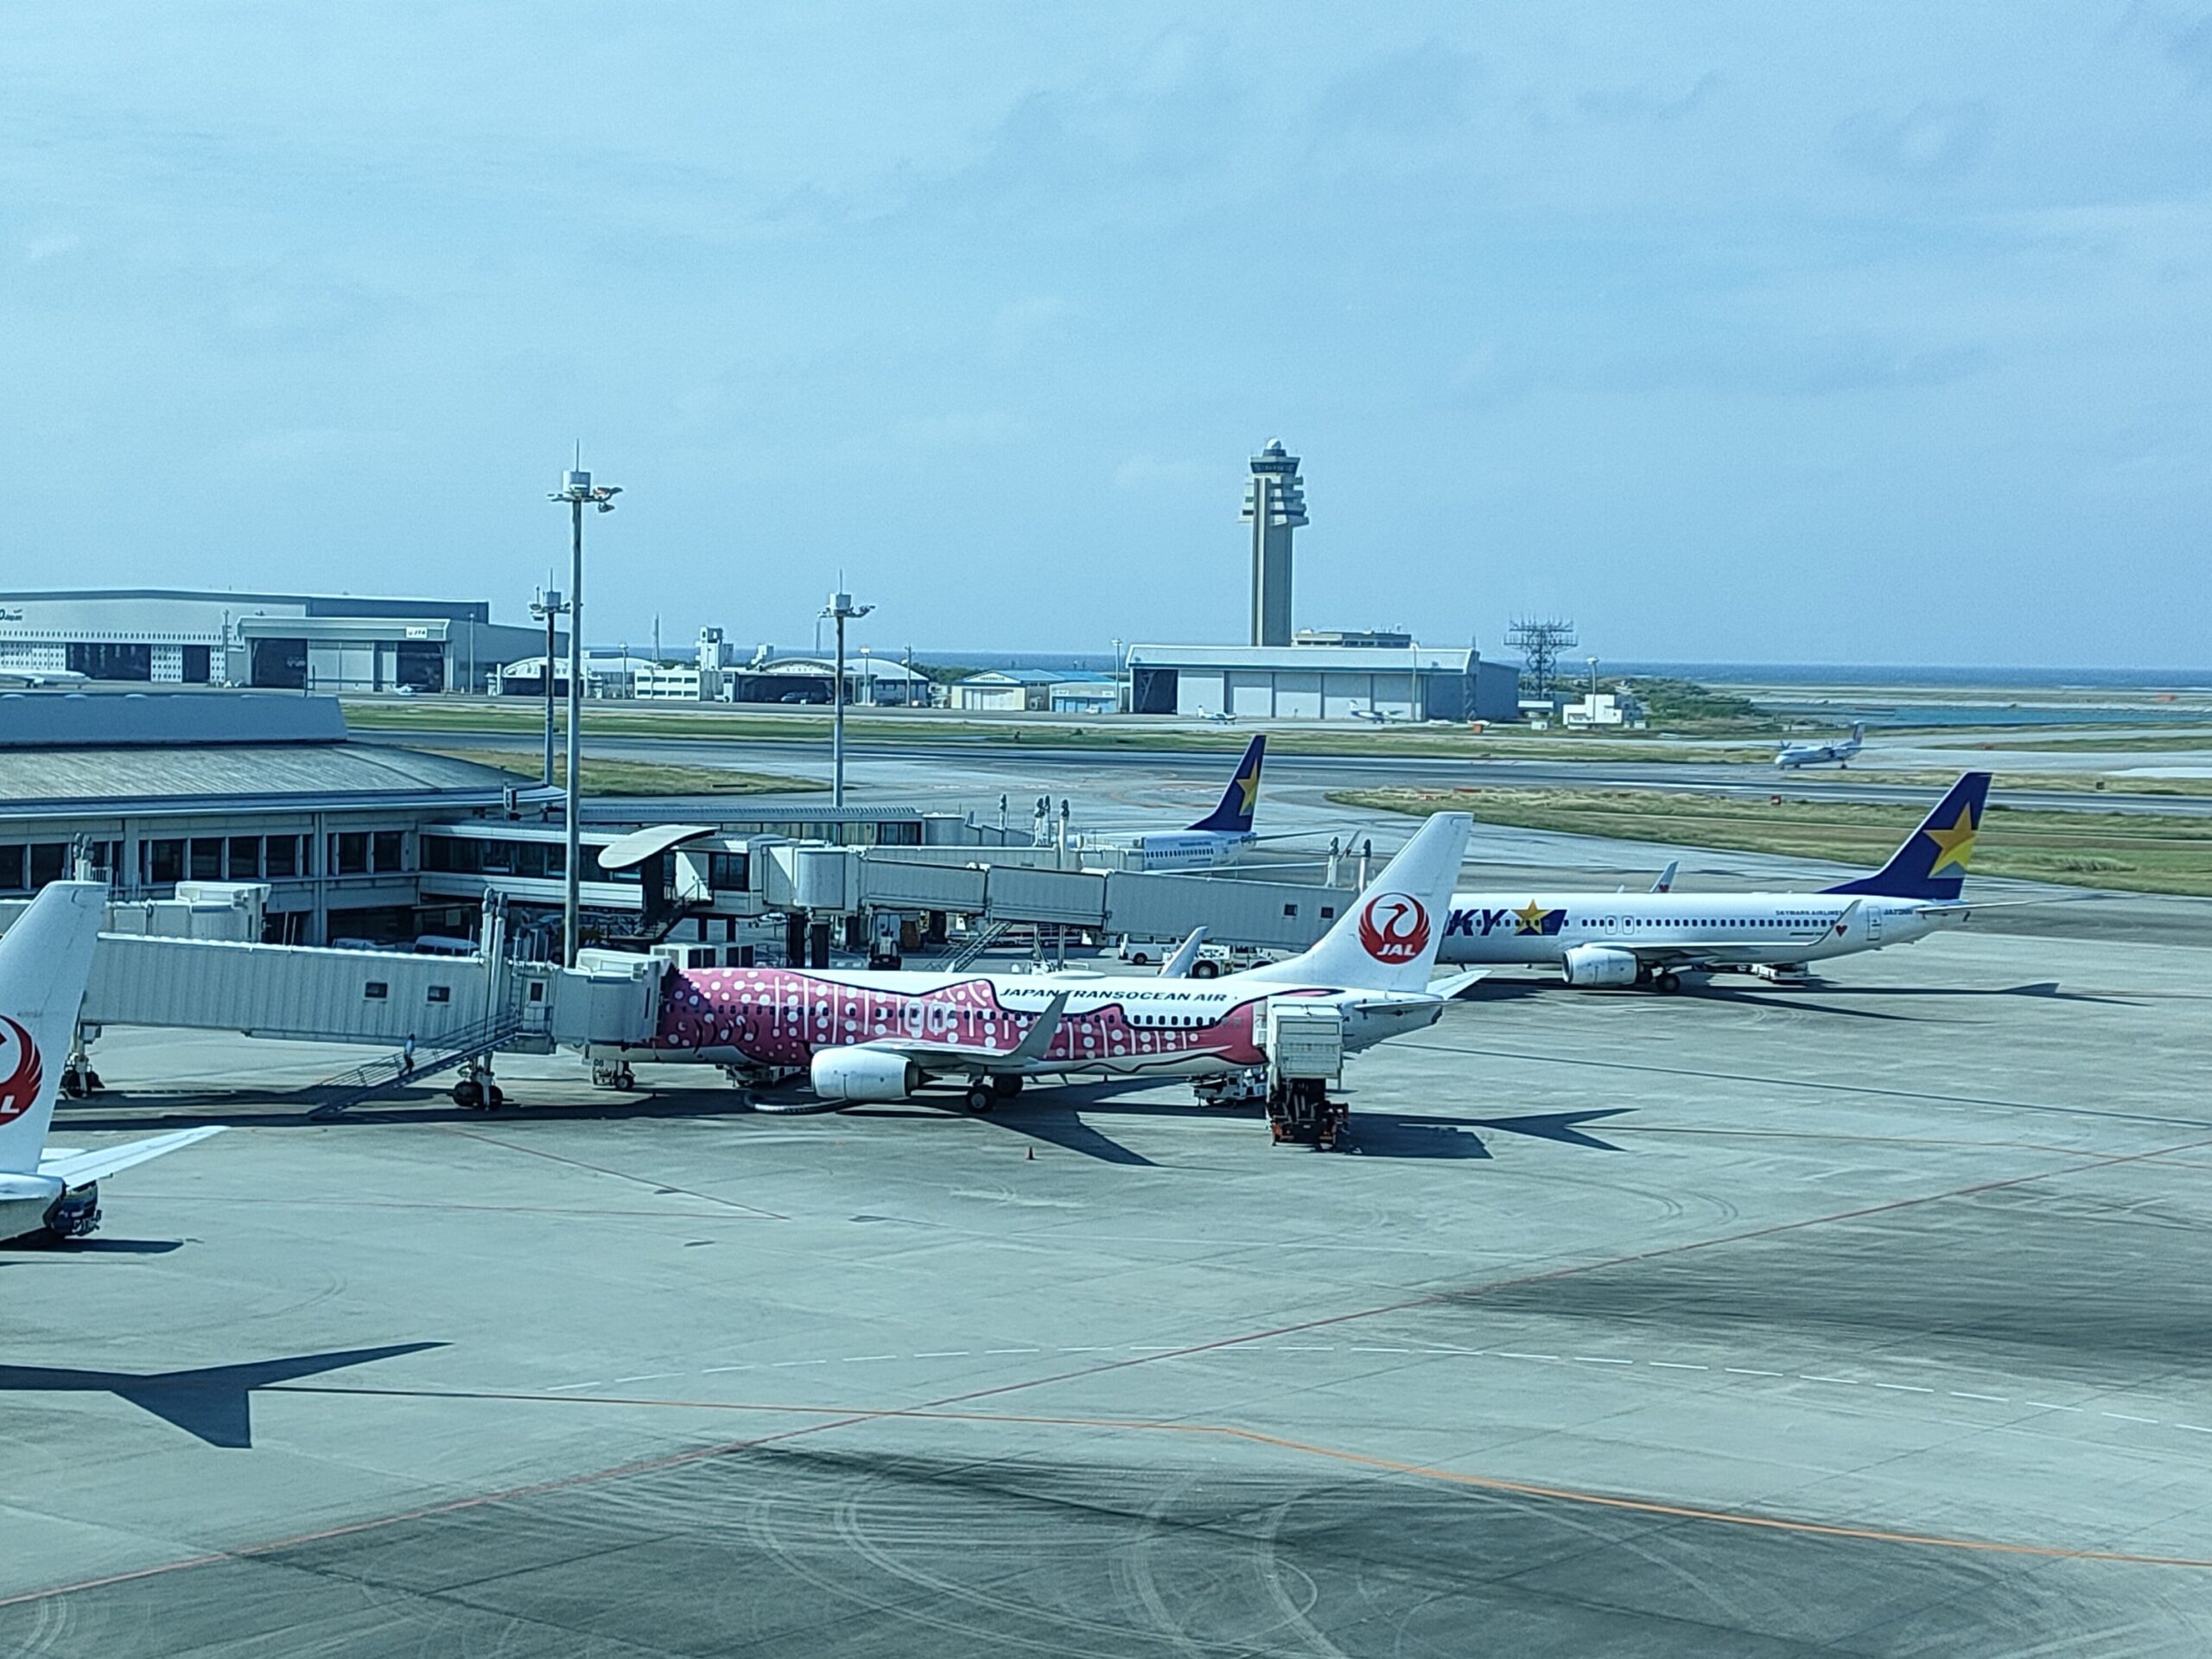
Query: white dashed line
[1742, 1370]
[2044, 1405]
[2124, 1418]
[1013, 1351]
[711, 1370]
[1357, 1349]
[2193, 1428]
[1675, 1365]
[1807, 1376]
[1314, 1348]
[1593, 1359]
[1156, 1347]
[565, 1388]
[1087, 1351]
[780, 1363]
[863, 1359]
[945, 1353]
[1506, 1353]
[1905, 1387]
[645, 1376]
[1960, 1393]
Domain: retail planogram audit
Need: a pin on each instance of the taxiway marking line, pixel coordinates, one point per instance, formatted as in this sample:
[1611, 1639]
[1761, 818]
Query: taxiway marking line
[618, 1174]
[698, 1454]
[844, 1414]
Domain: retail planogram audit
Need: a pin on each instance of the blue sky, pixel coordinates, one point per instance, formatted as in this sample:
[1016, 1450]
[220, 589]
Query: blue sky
[1739, 333]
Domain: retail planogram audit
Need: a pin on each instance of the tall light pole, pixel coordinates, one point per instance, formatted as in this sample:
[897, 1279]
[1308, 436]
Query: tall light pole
[577, 490]
[548, 607]
[841, 609]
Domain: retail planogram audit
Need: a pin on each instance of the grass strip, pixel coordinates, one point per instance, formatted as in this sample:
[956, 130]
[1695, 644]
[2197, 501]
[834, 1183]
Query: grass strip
[2128, 852]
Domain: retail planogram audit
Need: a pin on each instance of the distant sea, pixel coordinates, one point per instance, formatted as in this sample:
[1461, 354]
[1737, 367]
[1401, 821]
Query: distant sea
[2196, 680]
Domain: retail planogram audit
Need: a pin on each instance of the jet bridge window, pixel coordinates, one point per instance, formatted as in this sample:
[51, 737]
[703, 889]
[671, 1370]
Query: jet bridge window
[440, 994]
[376, 991]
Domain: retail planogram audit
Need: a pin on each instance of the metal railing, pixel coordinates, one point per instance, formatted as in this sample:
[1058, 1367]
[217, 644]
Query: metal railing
[386, 1072]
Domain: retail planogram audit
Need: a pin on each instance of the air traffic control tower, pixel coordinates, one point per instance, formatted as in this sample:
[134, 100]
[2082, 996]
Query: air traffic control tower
[1275, 504]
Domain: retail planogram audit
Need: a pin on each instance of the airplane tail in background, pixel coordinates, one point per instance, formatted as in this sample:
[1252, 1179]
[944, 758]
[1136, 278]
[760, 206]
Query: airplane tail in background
[1387, 941]
[45, 959]
[1234, 814]
[1858, 731]
[1932, 862]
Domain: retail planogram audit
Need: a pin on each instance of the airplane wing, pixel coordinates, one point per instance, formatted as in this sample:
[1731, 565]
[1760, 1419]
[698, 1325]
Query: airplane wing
[1448, 989]
[962, 1056]
[76, 1168]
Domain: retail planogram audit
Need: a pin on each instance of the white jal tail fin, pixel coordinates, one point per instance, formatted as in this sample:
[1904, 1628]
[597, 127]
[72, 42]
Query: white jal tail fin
[45, 959]
[1388, 940]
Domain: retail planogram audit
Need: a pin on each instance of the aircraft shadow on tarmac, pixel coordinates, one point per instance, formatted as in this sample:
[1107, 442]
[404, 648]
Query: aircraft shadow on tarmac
[213, 1402]
[1054, 1116]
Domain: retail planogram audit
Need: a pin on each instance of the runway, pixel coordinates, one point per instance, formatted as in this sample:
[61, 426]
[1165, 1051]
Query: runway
[1864, 1319]
[915, 771]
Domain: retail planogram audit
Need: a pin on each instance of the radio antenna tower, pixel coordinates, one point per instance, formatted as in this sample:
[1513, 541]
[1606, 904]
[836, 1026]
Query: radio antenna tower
[1539, 640]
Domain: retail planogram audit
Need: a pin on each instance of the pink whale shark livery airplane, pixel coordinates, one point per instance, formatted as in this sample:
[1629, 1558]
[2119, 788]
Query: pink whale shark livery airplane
[880, 1036]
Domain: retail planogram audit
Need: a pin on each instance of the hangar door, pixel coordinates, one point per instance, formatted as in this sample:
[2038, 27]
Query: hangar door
[1252, 695]
[1298, 696]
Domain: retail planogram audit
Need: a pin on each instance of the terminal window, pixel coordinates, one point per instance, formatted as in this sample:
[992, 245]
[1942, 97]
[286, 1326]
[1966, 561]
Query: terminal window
[164, 863]
[283, 855]
[206, 859]
[349, 853]
[245, 859]
[390, 849]
[12, 869]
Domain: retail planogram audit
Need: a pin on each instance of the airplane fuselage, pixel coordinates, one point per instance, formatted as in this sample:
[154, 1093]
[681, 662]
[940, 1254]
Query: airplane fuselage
[1775, 928]
[1190, 849]
[777, 1018]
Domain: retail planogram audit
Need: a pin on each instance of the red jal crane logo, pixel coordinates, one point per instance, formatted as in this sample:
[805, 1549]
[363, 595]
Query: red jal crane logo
[18, 1082]
[1393, 927]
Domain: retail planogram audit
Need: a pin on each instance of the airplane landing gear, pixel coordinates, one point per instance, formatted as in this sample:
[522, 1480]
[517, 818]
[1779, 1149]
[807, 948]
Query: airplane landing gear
[981, 1096]
[1666, 982]
[476, 1092]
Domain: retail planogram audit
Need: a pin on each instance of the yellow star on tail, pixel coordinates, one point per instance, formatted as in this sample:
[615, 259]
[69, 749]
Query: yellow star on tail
[1250, 785]
[1531, 917]
[1955, 844]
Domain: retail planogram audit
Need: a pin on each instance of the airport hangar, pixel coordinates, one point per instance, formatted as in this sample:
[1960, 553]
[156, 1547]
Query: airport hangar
[273, 641]
[1324, 677]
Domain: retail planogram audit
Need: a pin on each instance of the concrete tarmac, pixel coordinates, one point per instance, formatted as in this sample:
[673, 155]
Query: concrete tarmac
[1868, 1318]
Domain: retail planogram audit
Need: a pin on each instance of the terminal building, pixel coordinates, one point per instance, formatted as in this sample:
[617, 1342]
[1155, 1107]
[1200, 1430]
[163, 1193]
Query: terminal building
[358, 843]
[295, 642]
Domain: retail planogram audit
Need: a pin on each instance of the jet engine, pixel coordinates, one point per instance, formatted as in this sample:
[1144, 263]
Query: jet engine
[863, 1073]
[1599, 964]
